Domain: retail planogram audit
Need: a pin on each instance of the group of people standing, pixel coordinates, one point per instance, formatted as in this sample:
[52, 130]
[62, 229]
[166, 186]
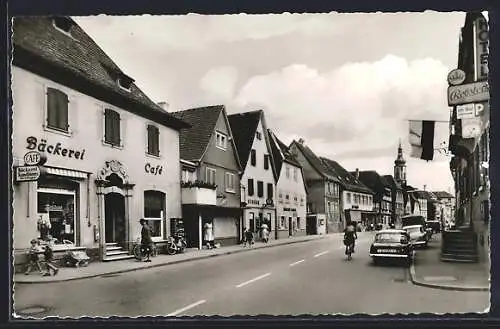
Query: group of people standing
[248, 235]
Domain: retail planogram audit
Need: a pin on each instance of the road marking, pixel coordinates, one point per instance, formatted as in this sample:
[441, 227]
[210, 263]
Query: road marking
[253, 280]
[179, 311]
[297, 262]
[439, 278]
[321, 253]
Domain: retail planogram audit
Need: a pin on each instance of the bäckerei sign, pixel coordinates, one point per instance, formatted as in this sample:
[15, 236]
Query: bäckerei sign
[468, 93]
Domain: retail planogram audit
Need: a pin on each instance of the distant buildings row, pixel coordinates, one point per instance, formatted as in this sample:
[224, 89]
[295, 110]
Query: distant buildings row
[114, 156]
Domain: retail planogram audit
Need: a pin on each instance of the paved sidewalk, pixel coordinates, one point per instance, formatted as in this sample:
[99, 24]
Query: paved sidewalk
[96, 269]
[429, 271]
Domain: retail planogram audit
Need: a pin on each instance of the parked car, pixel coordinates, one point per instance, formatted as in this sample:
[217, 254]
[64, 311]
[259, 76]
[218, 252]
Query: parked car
[391, 244]
[418, 235]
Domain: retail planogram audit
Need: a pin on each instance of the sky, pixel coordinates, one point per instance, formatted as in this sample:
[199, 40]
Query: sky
[345, 83]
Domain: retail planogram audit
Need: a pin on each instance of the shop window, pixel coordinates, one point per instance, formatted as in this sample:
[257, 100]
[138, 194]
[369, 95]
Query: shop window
[57, 110]
[230, 182]
[251, 187]
[253, 158]
[112, 127]
[282, 222]
[221, 140]
[210, 175]
[154, 210]
[153, 140]
[298, 223]
[260, 189]
[56, 212]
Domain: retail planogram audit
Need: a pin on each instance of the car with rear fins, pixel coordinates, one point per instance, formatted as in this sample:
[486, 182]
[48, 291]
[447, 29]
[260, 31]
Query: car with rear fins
[419, 237]
[391, 244]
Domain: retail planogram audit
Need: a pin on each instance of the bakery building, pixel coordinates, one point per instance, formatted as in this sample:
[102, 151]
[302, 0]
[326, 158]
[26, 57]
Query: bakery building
[112, 153]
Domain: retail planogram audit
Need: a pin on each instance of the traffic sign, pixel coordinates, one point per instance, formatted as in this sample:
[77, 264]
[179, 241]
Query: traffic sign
[27, 173]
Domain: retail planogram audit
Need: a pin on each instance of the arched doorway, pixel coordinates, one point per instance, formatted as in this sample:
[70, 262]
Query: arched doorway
[114, 218]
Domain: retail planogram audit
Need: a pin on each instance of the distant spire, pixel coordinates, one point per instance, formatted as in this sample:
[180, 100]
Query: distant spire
[400, 160]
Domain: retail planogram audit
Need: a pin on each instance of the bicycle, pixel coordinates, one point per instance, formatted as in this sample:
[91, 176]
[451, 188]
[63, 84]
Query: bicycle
[139, 253]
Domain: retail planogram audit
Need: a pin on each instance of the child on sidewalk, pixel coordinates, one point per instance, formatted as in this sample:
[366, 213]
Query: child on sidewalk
[49, 254]
[33, 258]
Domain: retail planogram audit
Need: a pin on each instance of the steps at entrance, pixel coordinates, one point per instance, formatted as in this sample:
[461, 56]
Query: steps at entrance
[459, 246]
[114, 252]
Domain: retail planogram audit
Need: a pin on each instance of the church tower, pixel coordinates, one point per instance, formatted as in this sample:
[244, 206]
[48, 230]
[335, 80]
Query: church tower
[400, 167]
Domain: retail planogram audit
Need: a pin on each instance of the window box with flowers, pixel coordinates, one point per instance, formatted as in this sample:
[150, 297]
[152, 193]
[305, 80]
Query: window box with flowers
[198, 192]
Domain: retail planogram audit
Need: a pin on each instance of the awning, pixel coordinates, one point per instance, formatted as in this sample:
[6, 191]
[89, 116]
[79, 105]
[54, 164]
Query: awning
[66, 172]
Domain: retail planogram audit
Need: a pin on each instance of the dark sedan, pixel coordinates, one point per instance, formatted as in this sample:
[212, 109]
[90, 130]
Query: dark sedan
[391, 244]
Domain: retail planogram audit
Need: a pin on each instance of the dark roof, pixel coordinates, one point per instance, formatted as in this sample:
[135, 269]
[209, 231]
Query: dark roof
[390, 179]
[244, 126]
[316, 162]
[349, 181]
[77, 62]
[373, 180]
[443, 195]
[194, 141]
[281, 152]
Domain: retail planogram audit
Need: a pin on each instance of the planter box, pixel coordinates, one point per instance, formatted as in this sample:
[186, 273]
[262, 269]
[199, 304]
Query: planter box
[199, 195]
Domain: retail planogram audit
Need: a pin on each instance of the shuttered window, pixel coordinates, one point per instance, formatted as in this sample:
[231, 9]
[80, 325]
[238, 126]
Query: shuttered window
[250, 187]
[112, 127]
[153, 140]
[57, 110]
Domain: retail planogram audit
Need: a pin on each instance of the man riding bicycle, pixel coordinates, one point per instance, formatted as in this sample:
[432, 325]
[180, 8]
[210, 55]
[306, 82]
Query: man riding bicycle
[350, 236]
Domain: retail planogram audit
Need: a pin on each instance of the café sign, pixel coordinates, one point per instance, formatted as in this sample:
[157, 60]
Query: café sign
[468, 93]
[456, 77]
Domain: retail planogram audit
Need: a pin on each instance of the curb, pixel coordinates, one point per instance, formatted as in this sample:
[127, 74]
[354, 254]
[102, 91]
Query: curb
[168, 263]
[442, 286]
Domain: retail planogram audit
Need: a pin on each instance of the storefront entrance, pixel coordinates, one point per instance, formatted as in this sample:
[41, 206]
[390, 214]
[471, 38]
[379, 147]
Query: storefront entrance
[114, 208]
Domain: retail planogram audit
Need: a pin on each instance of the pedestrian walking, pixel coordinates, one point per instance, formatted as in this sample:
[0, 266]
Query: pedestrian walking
[249, 237]
[265, 233]
[33, 257]
[209, 235]
[49, 257]
[146, 241]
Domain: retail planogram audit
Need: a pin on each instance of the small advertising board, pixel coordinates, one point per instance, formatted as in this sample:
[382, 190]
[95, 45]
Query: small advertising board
[27, 173]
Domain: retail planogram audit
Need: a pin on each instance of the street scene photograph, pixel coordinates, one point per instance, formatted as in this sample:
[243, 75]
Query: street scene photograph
[223, 165]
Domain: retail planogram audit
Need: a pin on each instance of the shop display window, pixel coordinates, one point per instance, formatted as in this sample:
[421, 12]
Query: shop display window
[56, 212]
[154, 209]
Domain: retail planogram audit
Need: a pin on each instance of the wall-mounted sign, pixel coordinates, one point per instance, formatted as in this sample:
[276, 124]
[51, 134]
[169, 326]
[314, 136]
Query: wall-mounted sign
[466, 111]
[456, 77]
[471, 127]
[481, 42]
[468, 93]
[153, 170]
[34, 158]
[57, 149]
[289, 209]
[27, 173]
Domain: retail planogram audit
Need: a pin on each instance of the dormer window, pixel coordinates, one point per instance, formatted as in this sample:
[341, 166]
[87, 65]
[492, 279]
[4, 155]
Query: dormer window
[125, 82]
[220, 140]
[258, 135]
[63, 24]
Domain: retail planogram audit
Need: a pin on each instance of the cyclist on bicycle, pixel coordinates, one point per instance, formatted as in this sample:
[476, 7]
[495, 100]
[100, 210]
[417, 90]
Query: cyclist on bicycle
[350, 236]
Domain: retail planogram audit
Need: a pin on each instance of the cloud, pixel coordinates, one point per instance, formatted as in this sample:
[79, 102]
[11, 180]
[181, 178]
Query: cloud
[219, 83]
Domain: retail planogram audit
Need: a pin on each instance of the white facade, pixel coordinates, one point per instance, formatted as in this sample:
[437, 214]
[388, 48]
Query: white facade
[80, 158]
[260, 204]
[291, 205]
[361, 201]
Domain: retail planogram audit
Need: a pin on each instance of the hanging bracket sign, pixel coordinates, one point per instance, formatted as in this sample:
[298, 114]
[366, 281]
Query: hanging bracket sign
[468, 93]
[456, 77]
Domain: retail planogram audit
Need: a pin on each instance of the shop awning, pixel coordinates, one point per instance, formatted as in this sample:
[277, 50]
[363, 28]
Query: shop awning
[66, 172]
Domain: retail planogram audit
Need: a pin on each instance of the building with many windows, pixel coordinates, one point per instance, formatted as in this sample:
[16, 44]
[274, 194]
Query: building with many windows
[291, 191]
[210, 176]
[257, 181]
[382, 198]
[112, 153]
[397, 199]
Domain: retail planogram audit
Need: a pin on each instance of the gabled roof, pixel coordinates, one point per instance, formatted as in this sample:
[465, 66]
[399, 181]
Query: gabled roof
[194, 141]
[390, 179]
[281, 152]
[349, 181]
[316, 162]
[244, 126]
[77, 62]
[372, 180]
[443, 195]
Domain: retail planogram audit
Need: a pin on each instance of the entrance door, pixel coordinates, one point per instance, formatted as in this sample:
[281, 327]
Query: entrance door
[114, 207]
[290, 227]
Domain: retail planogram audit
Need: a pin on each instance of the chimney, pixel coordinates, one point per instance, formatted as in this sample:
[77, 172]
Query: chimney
[164, 106]
[301, 141]
[357, 173]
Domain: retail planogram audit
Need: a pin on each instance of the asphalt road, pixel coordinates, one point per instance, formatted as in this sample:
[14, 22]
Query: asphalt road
[304, 278]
